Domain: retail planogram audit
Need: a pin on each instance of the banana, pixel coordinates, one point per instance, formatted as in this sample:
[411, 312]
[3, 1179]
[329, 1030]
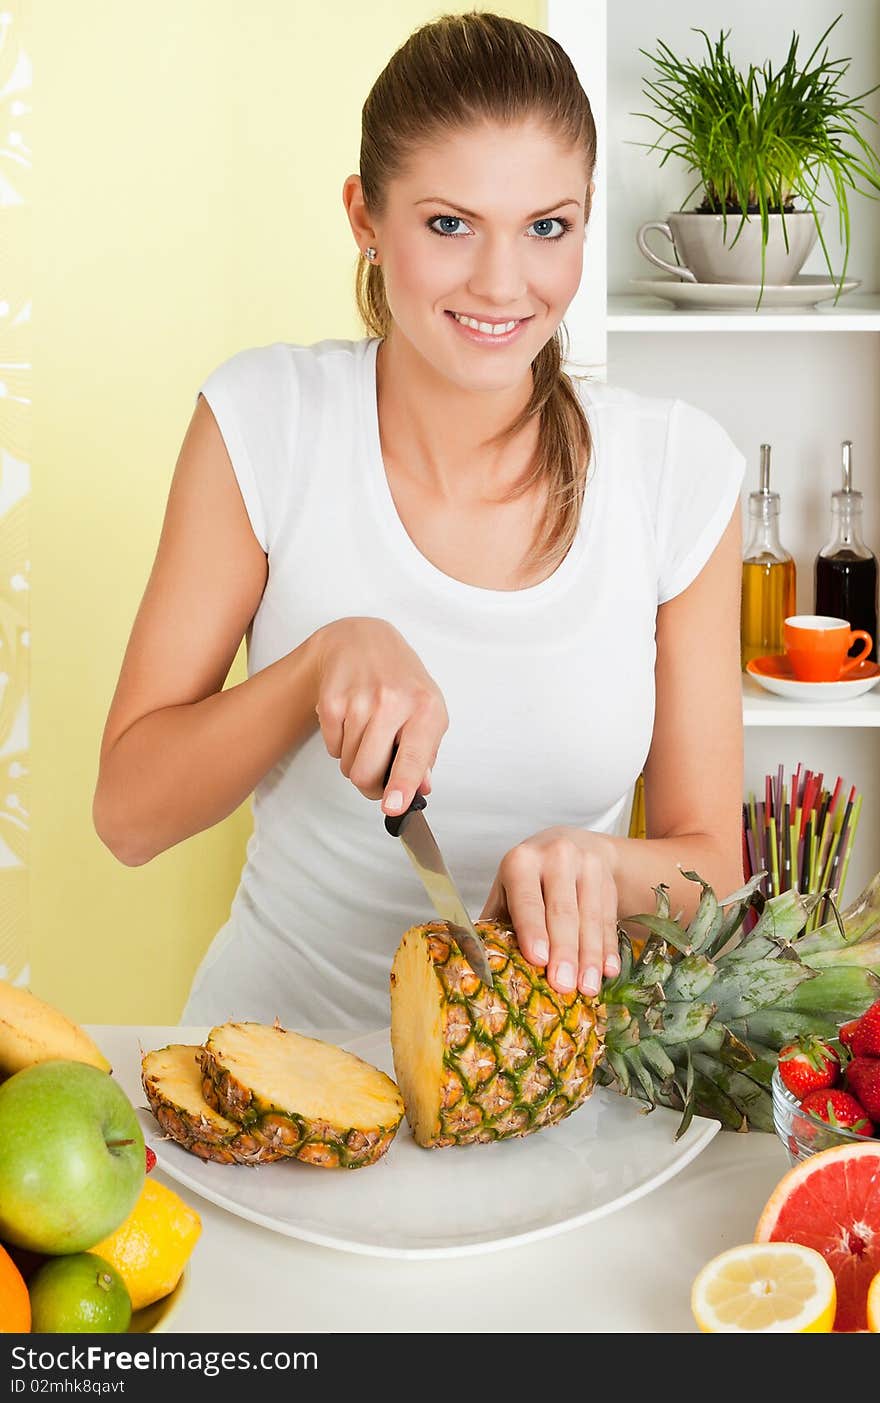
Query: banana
[33, 1031]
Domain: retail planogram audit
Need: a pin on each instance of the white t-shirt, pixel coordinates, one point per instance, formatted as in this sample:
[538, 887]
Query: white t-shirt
[549, 689]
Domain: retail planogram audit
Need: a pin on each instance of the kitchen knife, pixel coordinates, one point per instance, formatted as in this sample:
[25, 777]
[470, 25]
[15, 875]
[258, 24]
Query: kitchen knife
[411, 827]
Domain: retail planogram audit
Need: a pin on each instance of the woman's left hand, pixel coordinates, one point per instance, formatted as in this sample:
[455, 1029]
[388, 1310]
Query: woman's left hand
[557, 889]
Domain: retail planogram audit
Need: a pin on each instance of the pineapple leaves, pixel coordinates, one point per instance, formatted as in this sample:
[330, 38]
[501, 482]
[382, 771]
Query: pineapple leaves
[643, 1076]
[695, 1022]
[864, 951]
[662, 894]
[618, 1065]
[784, 916]
[710, 1100]
[740, 990]
[774, 1027]
[848, 991]
[726, 1046]
[684, 1022]
[751, 1100]
[662, 926]
[700, 928]
[687, 1097]
[656, 1058]
[744, 894]
[625, 952]
[690, 977]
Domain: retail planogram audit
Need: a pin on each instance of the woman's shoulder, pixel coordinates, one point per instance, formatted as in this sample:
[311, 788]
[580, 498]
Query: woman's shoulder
[618, 404]
[628, 428]
[286, 360]
[664, 427]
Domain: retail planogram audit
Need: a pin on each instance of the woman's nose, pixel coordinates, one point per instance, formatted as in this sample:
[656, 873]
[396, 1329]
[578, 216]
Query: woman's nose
[497, 276]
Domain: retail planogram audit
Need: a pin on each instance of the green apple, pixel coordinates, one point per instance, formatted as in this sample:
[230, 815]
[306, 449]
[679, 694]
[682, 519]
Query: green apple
[71, 1157]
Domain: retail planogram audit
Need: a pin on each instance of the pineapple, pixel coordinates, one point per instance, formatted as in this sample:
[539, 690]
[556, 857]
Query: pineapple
[693, 1022]
[475, 1063]
[302, 1098]
[172, 1079]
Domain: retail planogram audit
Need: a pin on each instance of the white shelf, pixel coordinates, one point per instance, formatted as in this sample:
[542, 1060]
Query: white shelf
[761, 708]
[854, 312]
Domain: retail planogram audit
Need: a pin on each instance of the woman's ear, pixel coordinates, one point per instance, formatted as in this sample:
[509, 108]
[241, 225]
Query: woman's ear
[358, 216]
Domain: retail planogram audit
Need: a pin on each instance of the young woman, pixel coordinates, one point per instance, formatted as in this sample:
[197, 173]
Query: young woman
[433, 536]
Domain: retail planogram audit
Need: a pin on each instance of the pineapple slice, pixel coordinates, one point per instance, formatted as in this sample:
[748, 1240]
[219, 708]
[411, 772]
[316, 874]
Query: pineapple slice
[417, 1028]
[477, 1064]
[172, 1079]
[321, 1104]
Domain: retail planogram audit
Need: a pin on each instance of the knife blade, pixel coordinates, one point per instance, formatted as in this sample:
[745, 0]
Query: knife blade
[411, 827]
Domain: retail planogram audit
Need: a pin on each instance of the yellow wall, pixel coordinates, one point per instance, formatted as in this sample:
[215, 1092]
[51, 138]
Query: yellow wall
[16, 423]
[189, 161]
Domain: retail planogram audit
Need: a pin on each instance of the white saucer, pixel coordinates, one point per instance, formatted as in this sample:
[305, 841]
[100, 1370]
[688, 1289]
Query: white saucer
[806, 290]
[774, 674]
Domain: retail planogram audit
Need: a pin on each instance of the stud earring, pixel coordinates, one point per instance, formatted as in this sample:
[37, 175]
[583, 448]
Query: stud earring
[370, 253]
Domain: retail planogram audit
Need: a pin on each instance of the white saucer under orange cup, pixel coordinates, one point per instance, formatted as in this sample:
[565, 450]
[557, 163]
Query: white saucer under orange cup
[815, 666]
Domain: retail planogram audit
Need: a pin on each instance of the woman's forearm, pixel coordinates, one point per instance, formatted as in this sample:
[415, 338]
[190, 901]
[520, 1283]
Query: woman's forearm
[179, 770]
[640, 864]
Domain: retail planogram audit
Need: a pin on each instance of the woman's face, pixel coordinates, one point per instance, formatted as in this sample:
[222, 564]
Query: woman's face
[517, 256]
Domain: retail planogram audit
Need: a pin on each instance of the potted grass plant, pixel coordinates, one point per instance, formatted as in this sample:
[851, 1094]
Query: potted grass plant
[762, 143]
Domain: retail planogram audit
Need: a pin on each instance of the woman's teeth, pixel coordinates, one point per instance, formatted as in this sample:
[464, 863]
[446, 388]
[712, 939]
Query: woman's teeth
[487, 327]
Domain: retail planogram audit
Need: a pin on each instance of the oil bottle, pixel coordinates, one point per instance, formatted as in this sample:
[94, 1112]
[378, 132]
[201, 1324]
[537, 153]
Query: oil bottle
[769, 576]
[846, 570]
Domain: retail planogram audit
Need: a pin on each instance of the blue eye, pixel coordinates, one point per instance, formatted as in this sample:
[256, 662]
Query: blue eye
[447, 233]
[445, 219]
[557, 219]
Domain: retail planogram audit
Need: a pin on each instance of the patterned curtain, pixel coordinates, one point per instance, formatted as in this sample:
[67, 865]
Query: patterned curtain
[15, 426]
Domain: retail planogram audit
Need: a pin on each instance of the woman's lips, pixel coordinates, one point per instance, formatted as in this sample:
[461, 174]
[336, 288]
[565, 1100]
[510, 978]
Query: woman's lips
[488, 338]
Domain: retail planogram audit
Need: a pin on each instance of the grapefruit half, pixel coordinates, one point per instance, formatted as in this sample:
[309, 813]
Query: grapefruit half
[831, 1202]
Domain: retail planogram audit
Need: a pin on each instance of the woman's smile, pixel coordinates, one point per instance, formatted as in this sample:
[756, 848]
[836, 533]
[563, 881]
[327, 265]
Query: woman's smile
[478, 335]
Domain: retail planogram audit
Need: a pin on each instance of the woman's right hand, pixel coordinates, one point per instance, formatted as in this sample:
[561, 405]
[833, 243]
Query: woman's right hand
[372, 689]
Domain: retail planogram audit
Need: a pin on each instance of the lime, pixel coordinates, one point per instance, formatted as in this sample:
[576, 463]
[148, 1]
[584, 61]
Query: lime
[78, 1294]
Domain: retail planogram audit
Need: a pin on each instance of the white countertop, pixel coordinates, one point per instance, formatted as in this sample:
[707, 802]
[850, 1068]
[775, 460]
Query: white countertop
[628, 1272]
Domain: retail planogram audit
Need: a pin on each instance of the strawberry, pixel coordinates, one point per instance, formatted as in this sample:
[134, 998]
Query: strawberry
[863, 1081]
[865, 1040]
[151, 1158]
[840, 1109]
[846, 1030]
[808, 1064]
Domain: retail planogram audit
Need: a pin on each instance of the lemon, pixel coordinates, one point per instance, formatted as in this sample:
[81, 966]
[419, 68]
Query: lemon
[874, 1305]
[153, 1245]
[77, 1294]
[768, 1287]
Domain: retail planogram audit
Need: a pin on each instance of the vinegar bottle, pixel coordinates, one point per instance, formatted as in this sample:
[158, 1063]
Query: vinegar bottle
[769, 578]
[846, 570]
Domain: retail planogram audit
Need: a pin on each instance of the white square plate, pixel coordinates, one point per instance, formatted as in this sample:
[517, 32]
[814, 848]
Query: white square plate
[440, 1203]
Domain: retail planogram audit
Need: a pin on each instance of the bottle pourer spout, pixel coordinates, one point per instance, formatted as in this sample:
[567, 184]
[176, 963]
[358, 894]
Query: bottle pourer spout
[765, 467]
[846, 448]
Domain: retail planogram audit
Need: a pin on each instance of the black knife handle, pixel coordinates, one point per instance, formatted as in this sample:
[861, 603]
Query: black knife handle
[393, 822]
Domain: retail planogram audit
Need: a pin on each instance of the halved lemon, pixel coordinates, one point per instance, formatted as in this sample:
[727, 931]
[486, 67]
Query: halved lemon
[765, 1287]
[874, 1305]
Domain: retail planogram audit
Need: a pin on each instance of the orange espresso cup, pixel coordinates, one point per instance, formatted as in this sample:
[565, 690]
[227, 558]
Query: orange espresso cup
[817, 647]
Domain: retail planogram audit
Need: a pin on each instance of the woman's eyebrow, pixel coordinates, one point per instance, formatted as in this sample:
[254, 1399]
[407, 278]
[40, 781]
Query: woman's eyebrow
[539, 214]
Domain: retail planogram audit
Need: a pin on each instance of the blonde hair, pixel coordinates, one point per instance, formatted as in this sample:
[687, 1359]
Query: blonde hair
[449, 75]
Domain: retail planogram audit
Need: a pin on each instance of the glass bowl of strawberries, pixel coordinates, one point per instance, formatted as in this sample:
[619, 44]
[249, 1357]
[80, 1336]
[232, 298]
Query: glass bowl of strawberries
[826, 1091]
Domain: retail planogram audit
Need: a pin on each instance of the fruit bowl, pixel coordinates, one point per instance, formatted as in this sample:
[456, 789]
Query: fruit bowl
[802, 1133]
[160, 1315]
